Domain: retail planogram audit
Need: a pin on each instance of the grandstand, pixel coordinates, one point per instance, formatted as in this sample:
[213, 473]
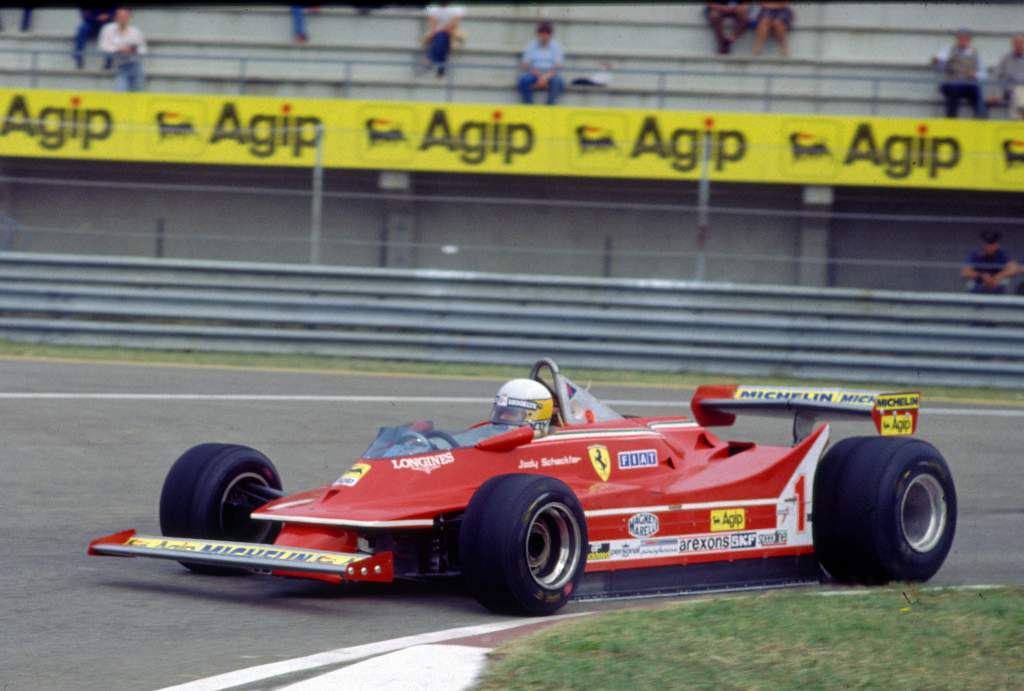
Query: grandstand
[846, 59]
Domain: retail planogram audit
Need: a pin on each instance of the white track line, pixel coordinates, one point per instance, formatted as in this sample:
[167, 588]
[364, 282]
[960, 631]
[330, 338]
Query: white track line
[328, 398]
[343, 655]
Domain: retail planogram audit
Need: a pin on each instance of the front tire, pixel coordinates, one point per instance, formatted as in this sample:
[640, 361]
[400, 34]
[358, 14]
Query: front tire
[523, 544]
[209, 493]
[884, 510]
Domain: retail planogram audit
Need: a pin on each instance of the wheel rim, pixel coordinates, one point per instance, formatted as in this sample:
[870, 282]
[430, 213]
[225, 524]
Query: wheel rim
[923, 513]
[553, 545]
[236, 505]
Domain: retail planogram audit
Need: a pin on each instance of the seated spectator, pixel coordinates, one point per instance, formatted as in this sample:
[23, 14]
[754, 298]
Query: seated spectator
[961, 65]
[125, 45]
[93, 19]
[542, 60]
[776, 18]
[299, 21]
[1011, 73]
[442, 27]
[735, 13]
[988, 270]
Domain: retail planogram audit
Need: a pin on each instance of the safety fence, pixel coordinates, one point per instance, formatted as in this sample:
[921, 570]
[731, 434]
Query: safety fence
[459, 316]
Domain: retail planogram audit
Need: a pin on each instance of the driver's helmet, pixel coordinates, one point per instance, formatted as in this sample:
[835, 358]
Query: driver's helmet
[524, 402]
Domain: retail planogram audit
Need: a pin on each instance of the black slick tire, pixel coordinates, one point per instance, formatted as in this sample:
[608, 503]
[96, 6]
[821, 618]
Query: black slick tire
[201, 498]
[884, 510]
[523, 544]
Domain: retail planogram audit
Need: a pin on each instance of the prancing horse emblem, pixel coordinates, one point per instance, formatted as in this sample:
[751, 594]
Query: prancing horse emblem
[601, 460]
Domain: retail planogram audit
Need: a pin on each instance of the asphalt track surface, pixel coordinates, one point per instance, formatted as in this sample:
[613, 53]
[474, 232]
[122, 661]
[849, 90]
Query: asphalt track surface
[74, 469]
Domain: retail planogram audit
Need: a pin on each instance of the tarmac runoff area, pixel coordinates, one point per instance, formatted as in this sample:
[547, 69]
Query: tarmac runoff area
[86, 447]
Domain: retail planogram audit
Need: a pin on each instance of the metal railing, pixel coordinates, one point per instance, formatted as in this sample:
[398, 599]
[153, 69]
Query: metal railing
[346, 69]
[458, 316]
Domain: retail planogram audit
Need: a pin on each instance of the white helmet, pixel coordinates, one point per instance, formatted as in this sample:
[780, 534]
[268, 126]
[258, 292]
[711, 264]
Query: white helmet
[524, 402]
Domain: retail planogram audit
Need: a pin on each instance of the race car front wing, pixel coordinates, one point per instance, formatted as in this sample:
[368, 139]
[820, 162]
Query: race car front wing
[276, 559]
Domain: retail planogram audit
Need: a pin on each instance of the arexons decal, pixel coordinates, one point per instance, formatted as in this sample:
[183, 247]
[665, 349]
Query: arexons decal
[54, 127]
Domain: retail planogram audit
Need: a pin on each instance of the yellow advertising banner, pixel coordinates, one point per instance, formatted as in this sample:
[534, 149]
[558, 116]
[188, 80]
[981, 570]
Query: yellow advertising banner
[513, 139]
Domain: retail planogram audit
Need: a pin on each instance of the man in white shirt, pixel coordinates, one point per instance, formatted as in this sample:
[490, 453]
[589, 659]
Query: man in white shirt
[961, 65]
[542, 61]
[125, 45]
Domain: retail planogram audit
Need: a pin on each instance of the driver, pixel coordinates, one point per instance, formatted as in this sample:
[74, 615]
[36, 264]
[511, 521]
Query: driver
[524, 402]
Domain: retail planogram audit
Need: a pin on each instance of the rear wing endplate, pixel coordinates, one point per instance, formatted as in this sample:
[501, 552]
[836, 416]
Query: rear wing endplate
[894, 414]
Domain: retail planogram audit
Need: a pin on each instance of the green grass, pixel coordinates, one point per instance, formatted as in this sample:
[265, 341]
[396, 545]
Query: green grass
[877, 639]
[341, 365]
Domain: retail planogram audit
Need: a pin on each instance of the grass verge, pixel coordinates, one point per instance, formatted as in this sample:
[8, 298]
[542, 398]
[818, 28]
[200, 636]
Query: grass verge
[342, 365]
[879, 638]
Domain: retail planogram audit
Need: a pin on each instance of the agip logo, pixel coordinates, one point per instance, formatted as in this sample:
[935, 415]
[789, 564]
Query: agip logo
[1009, 154]
[179, 127]
[597, 141]
[265, 134]
[56, 126]
[386, 134]
[812, 149]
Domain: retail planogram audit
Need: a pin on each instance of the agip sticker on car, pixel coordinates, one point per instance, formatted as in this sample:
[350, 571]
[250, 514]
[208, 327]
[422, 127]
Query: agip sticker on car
[728, 519]
[895, 414]
[353, 475]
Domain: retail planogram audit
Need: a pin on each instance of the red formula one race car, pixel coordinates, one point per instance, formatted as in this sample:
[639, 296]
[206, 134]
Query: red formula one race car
[599, 504]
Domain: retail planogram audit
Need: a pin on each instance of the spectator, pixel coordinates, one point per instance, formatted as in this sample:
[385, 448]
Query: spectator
[776, 18]
[442, 26]
[299, 21]
[93, 19]
[542, 60]
[26, 19]
[125, 45]
[718, 13]
[988, 269]
[1011, 73]
[961, 65]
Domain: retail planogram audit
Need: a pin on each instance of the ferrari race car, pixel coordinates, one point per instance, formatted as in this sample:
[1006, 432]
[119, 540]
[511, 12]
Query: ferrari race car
[603, 505]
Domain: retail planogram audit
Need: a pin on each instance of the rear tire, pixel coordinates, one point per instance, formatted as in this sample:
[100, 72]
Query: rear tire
[523, 544]
[204, 496]
[884, 510]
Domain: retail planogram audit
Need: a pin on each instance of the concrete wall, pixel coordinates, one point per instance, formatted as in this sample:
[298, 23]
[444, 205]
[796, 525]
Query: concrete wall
[270, 222]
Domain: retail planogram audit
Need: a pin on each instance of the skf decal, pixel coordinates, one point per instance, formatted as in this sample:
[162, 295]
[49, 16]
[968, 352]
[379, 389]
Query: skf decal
[475, 140]
[728, 519]
[601, 460]
[806, 144]
[1013, 152]
[354, 475]
[643, 525]
[900, 155]
[263, 133]
[683, 147]
[54, 127]
[646, 458]
[383, 131]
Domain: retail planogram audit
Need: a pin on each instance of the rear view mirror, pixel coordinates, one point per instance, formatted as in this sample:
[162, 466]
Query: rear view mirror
[506, 441]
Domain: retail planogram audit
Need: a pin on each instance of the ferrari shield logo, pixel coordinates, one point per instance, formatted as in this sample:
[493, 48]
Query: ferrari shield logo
[601, 460]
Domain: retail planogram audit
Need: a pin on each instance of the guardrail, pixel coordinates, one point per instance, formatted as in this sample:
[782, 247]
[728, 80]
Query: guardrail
[459, 316]
[346, 71]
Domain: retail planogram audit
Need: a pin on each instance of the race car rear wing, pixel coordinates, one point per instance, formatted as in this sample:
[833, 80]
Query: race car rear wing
[894, 414]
